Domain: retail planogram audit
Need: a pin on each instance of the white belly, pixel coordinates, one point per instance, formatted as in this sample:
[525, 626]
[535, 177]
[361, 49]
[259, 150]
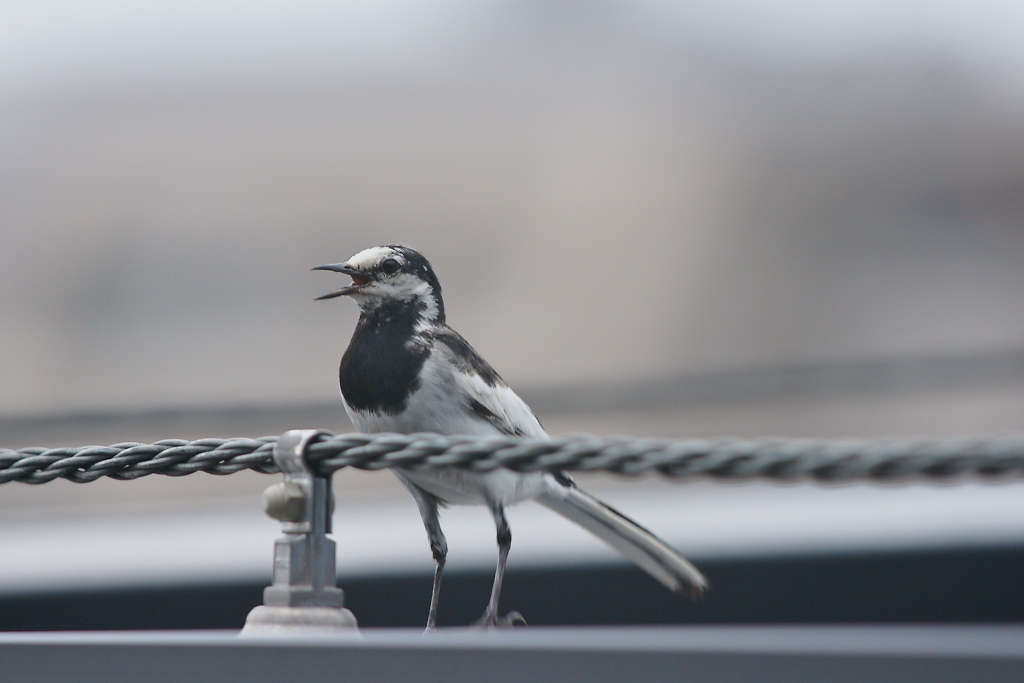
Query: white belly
[453, 485]
[433, 409]
[456, 486]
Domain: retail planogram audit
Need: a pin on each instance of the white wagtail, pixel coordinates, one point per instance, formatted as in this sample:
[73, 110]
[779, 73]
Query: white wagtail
[406, 371]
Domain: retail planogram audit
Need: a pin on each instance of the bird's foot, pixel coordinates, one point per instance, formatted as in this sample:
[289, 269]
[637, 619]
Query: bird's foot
[491, 620]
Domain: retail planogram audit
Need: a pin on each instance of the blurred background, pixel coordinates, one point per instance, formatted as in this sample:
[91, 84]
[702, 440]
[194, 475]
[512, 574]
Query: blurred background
[740, 217]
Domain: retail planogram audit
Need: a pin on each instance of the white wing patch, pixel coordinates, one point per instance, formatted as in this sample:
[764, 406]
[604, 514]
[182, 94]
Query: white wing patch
[500, 406]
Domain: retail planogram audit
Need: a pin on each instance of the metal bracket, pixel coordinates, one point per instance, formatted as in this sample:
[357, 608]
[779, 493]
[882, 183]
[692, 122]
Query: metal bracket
[304, 596]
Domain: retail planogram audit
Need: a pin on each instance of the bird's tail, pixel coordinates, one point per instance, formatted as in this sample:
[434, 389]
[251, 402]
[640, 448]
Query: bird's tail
[645, 549]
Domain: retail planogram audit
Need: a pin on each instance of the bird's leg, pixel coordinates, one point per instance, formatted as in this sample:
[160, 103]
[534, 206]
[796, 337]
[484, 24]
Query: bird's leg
[490, 618]
[427, 505]
[440, 553]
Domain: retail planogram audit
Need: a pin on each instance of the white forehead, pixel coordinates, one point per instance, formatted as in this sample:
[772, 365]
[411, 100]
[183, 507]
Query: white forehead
[368, 258]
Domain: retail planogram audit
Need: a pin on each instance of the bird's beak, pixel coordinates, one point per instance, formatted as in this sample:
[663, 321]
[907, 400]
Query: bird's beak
[359, 279]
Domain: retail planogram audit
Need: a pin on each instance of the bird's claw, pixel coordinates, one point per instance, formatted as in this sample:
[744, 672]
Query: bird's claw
[491, 620]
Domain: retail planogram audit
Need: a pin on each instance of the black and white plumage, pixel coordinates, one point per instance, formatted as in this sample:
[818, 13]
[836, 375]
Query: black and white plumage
[406, 371]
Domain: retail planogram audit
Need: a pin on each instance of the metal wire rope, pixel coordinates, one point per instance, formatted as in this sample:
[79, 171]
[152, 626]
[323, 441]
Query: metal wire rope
[734, 459]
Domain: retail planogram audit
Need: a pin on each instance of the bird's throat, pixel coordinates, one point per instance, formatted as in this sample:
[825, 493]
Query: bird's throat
[380, 368]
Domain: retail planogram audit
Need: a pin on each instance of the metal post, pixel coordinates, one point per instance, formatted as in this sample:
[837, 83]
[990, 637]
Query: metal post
[303, 597]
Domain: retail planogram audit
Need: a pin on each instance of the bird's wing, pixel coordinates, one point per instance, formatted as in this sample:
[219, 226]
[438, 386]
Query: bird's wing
[500, 406]
[485, 392]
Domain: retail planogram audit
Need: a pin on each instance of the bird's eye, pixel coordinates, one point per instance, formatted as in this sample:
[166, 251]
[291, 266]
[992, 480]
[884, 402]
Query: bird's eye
[390, 266]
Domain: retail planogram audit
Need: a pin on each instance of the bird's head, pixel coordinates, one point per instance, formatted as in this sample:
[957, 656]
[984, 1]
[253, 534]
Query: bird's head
[391, 274]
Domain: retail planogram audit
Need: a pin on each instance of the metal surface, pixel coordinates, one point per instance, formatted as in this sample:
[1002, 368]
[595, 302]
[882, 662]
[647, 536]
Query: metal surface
[909, 654]
[883, 460]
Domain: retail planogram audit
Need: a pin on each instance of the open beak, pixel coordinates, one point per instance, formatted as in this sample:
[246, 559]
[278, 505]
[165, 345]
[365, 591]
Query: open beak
[359, 279]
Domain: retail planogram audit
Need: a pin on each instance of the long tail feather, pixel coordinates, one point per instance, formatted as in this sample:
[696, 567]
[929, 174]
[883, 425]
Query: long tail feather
[637, 544]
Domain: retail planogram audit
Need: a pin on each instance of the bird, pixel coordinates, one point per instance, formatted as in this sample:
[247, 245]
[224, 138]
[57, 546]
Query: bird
[406, 371]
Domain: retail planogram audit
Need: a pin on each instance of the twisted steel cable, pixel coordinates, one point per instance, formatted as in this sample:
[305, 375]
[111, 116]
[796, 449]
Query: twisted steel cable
[734, 459]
